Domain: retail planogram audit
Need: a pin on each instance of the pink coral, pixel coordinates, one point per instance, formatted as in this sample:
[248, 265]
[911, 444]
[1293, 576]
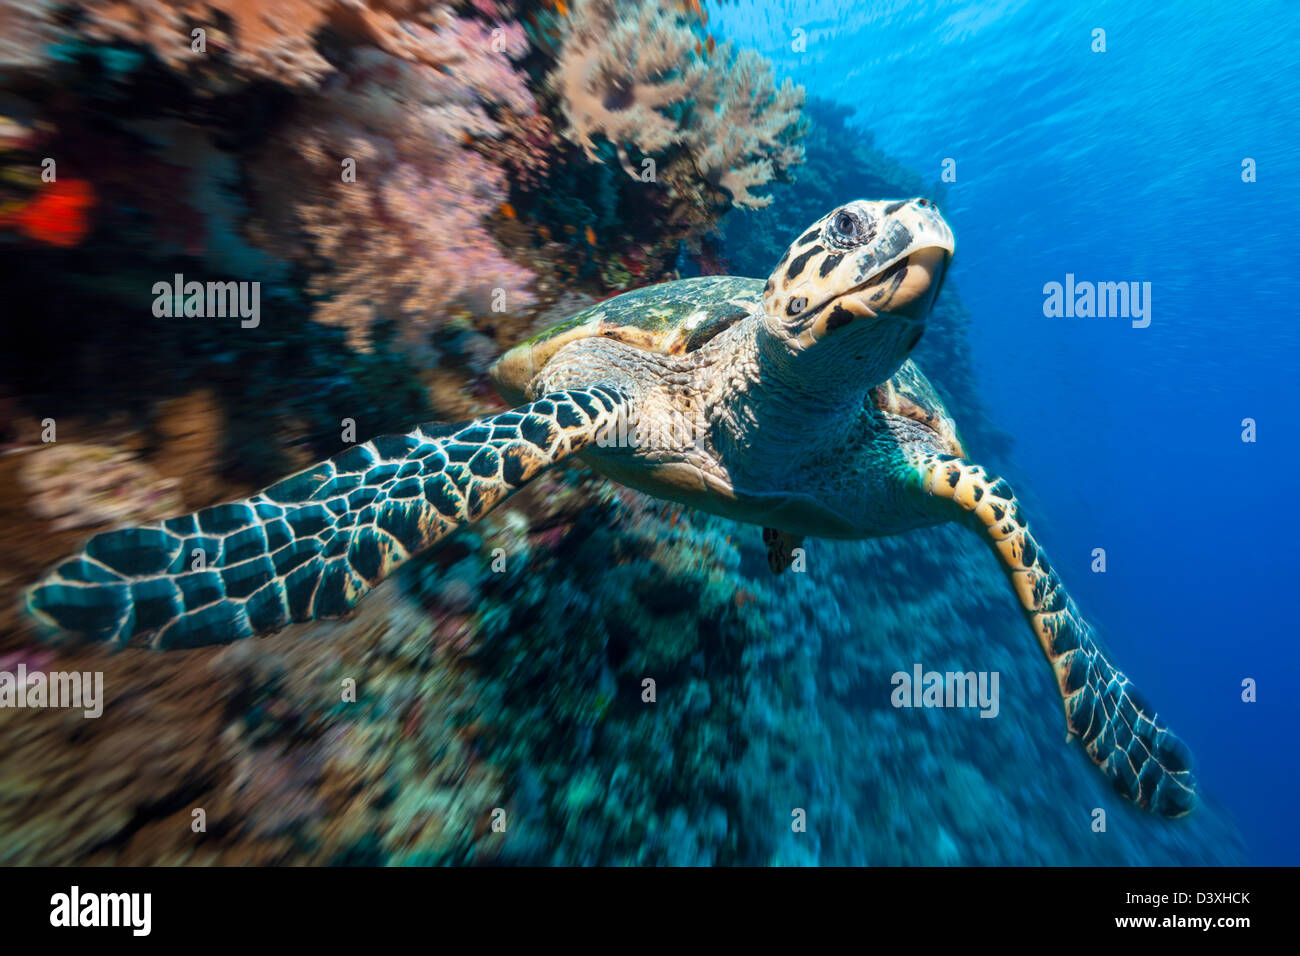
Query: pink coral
[411, 247]
[80, 485]
[405, 239]
[525, 147]
[269, 40]
[27, 28]
[273, 40]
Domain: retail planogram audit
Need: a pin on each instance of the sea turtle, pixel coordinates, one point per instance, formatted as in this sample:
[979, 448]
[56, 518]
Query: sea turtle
[789, 404]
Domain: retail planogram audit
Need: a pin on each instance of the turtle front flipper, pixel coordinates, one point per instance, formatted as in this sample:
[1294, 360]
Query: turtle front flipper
[311, 546]
[1119, 729]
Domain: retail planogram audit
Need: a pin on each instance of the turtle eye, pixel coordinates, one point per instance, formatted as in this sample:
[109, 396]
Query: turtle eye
[848, 229]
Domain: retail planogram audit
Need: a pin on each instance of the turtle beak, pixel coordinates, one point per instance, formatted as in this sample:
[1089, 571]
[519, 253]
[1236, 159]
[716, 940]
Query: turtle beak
[907, 289]
[910, 260]
[899, 274]
[904, 291]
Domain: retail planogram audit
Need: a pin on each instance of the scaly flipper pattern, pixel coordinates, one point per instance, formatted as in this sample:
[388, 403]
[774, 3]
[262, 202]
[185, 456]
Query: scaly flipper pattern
[311, 546]
[1119, 729]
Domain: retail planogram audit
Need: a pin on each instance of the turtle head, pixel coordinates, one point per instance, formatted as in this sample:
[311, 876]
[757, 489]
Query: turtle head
[856, 288]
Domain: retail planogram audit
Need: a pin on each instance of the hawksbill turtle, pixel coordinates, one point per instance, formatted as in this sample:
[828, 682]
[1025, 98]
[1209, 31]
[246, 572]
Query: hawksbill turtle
[789, 404]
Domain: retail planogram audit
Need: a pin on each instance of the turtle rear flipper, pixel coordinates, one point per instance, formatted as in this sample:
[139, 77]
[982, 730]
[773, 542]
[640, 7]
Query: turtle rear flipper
[311, 546]
[1144, 760]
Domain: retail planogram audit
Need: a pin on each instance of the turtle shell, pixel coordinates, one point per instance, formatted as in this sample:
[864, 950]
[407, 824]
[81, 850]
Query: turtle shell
[671, 318]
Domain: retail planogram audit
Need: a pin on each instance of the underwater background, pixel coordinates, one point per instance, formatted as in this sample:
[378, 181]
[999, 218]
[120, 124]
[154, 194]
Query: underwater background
[499, 147]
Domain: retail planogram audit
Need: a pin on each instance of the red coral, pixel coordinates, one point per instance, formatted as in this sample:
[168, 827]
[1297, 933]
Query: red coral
[58, 216]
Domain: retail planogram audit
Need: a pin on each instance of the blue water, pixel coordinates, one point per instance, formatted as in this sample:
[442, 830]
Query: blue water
[1122, 166]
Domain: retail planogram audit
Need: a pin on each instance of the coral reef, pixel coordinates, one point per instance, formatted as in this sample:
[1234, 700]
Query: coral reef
[27, 30]
[263, 741]
[277, 41]
[76, 485]
[636, 75]
[620, 66]
[523, 148]
[402, 156]
[744, 126]
[412, 94]
[403, 235]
